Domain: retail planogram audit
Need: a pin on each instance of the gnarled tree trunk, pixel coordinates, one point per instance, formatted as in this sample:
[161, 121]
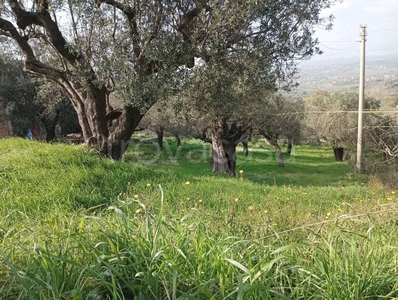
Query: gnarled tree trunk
[246, 139]
[122, 130]
[218, 157]
[230, 155]
[49, 125]
[245, 148]
[178, 140]
[160, 133]
[289, 147]
[338, 153]
[278, 151]
[272, 140]
[106, 129]
[224, 139]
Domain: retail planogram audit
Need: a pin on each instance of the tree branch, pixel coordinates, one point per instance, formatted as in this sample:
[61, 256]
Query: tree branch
[24, 18]
[130, 14]
[57, 38]
[126, 9]
[43, 19]
[73, 20]
[12, 32]
[32, 65]
[158, 21]
[187, 18]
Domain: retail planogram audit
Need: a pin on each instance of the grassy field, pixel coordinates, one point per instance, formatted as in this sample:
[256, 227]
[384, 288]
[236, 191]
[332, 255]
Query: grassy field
[161, 225]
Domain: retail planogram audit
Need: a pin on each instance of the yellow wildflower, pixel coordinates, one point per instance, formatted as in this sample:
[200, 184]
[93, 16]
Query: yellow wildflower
[392, 192]
[187, 183]
[200, 200]
[250, 207]
[136, 196]
[265, 212]
[274, 224]
[148, 185]
[241, 171]
[138, 211]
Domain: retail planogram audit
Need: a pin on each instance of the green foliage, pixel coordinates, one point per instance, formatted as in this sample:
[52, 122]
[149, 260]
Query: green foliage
[18, 91]
[76, 226]
[333, 116]
[32, 101]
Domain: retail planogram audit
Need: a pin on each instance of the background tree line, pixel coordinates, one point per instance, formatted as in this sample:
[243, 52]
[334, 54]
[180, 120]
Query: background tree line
[147, 51]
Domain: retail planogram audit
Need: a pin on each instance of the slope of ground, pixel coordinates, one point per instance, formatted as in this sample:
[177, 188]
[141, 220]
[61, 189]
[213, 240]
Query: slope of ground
[74, 225]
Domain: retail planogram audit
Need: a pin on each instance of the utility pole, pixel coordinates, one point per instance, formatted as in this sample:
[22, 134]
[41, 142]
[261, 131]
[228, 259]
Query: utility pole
[358, 166]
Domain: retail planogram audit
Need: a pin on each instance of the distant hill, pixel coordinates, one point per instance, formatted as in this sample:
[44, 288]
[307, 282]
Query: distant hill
[342, 74]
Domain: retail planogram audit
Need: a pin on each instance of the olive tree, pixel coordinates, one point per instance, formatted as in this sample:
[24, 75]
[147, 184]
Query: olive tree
[276, 118]
[333, 117]
[217, 95]
[244, 109]
[166, 118]
[381, 127]
[92, 48]
[259, 52]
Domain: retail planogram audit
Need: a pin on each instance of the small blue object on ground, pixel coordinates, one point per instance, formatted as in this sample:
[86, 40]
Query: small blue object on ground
[30, 135]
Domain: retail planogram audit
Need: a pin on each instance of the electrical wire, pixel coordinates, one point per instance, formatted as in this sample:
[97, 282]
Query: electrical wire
[376, 112]
[334, 49]
[338, 41]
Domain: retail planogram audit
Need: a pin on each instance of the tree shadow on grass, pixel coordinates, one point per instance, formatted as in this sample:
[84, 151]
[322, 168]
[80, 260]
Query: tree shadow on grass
[308, 166]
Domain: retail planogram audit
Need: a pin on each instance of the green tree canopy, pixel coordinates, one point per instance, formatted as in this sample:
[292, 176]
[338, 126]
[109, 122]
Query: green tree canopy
[143, 49]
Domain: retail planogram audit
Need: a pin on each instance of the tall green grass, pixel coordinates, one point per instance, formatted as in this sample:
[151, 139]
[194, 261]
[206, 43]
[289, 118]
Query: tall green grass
[77, 226]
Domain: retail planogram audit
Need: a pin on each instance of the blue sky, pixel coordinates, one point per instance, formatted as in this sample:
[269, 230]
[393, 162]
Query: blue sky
[381, 18]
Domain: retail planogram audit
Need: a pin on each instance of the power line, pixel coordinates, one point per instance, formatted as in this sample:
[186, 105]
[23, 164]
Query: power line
[338, 42]
[376, 112]
[337, 49]
[386, 29]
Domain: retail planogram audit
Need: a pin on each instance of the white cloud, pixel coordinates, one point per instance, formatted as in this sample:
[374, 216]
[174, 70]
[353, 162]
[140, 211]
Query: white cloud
[337, 7]
[375, 9]
[387, 3]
